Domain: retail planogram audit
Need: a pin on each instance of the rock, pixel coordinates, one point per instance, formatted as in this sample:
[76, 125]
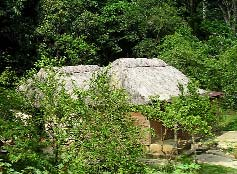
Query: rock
[216, 152]
[217, 160]
[155, 148]
[167, 149]
[218, 156]
[227, 140]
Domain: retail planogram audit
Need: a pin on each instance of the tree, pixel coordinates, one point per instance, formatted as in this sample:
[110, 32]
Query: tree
[188, 54]
[18, 20]
[229, 11]
[228, 76]
[190, 112]
[93, 32]
[91, 132]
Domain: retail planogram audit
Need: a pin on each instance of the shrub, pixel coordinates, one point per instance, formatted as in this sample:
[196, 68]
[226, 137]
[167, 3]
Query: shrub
[91, 132]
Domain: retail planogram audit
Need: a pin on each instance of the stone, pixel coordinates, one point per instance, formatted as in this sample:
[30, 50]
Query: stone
[217, 160]
[169, 149]
[155, 148]
[227, 140]
[166, 149]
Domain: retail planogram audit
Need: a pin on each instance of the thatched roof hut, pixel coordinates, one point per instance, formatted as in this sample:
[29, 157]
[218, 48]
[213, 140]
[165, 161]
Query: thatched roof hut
[141, 77]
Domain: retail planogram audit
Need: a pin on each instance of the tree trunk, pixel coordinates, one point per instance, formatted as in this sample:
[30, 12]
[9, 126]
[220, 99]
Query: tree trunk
[176, 137]
[234, 15]
[225, 14]
[204, 9]
[163, 135]
[194, 148]
[229, 11]
[191, 7]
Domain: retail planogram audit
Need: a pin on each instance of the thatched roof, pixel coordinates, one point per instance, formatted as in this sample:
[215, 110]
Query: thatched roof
[78, 76]
[141, 77]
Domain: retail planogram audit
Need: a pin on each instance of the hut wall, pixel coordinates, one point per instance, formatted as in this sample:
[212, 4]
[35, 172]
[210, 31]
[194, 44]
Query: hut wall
[183, 135]
[157, 127]
[144, 123]
[159, 131]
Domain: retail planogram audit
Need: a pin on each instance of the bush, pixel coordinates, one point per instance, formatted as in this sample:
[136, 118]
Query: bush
[229, 76]
[189, 111]
[91, 132]
[185, 52]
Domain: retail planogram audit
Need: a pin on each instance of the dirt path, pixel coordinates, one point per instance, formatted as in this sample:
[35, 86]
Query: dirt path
[217, 157]
[227, 140]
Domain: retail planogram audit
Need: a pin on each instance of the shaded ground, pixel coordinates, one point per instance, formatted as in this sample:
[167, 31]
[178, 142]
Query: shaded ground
[230, 121]
[214, 169]
[217, 159]
[228, 140]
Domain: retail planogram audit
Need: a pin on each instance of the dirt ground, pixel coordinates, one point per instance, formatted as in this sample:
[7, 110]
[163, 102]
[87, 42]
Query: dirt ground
[220, 156]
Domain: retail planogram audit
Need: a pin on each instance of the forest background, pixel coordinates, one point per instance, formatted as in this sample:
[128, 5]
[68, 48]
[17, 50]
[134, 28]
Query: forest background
[198, 37]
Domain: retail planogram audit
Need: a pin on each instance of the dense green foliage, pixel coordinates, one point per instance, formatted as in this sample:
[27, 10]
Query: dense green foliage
[230, 121]
[198, 37]
[213, 169]
[45, 130]
[211, 62]
[191, 168]
[190, 112]
[99, 32]
[90, 133]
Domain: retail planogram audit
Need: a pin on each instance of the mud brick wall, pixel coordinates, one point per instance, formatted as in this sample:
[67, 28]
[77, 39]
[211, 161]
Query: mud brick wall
[144, 123]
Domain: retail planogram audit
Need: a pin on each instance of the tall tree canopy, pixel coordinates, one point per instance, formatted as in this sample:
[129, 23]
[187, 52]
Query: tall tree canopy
[192, 35]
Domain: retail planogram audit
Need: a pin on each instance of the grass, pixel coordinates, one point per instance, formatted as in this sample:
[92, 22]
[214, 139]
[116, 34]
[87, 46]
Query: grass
[230, 121]
[204, 169]
[213, 169]
[229, 124]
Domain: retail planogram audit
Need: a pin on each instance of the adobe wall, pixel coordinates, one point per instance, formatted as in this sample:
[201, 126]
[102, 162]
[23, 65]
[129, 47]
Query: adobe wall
[157, 128]
[144, 123]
